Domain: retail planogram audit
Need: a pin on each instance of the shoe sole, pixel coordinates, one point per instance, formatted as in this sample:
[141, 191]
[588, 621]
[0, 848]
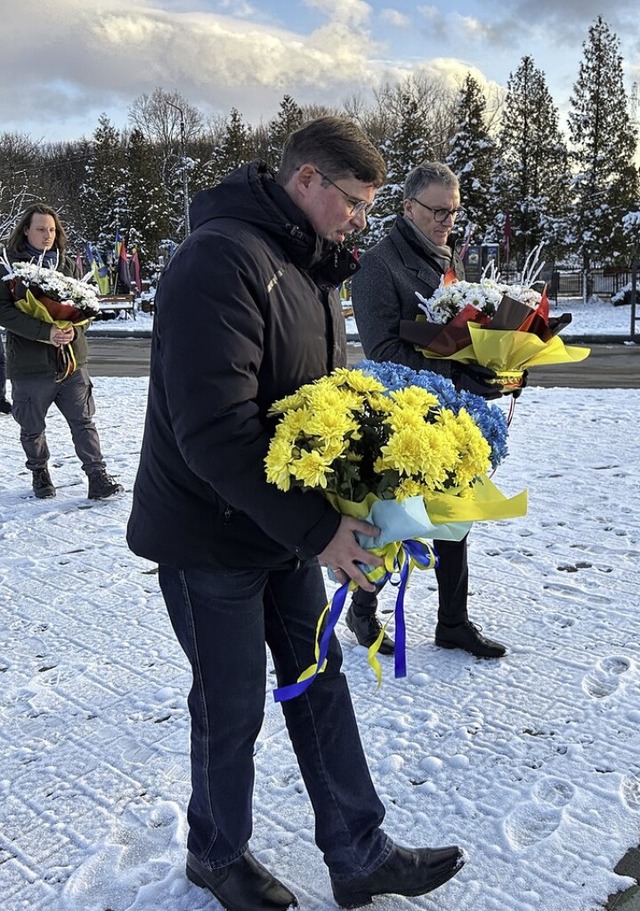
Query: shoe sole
[365, 897]
[46, 495]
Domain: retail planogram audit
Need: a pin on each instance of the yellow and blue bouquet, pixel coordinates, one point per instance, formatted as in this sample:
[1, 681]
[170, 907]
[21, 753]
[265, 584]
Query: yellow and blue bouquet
[401, 449]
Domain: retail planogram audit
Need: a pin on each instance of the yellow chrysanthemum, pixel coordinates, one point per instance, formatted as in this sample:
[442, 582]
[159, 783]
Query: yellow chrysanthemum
[402, 452]
[289, 402]
[311, 468]
[405, 417]
[278, 463]
[415, 398]
[409, 488]
[357, 380]
[381, 403]
[329, 424]
[293, 423]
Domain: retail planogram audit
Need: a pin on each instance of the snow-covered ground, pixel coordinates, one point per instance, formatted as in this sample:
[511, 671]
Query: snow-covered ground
[532, 763]
[595, 317]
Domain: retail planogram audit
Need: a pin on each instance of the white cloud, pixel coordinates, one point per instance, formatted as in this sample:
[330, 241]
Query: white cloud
[348, 12]
[394, 18]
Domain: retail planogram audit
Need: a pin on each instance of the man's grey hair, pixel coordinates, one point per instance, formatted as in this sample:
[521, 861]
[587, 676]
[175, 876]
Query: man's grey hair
[426, 173]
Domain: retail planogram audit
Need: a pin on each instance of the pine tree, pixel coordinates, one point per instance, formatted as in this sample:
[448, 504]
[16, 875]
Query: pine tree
[534, 185]
[149, 214]
[104, 190]
[289, 118]
[472, 158]
[234, 148]
[603, 145]
[403, 149]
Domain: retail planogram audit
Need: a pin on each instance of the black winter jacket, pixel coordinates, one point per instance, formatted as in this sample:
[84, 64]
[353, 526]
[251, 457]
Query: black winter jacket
[384, 292]
[29, 352]
[246, 312]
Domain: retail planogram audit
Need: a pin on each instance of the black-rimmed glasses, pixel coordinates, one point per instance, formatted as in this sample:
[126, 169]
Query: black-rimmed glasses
[440, 215]
[358, 206]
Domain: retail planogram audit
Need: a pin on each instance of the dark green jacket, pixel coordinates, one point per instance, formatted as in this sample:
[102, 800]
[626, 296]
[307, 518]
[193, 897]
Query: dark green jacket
[29, 351]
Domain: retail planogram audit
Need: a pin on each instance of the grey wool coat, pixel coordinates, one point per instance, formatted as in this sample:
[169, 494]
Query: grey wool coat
[384, 292]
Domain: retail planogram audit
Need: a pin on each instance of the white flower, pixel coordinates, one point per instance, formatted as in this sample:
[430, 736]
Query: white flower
[485, 295]
[54, 284]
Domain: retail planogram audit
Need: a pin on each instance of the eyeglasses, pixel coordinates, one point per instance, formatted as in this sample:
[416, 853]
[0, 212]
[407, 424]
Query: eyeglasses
[440, 215]
[358, 206]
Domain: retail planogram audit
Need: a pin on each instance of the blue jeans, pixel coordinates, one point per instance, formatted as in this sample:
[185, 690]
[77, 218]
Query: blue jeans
[222, 620]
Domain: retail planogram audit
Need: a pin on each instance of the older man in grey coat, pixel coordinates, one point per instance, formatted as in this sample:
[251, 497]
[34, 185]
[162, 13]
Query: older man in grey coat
[404, 267]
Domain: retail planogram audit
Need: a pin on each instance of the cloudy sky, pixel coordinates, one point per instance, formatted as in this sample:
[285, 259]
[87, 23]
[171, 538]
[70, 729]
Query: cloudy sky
[71, 60]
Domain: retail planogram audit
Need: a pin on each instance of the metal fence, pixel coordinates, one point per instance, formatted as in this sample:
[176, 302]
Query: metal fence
[603, 282]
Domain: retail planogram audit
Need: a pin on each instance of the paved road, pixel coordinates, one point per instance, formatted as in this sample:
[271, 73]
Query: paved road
[610, 366]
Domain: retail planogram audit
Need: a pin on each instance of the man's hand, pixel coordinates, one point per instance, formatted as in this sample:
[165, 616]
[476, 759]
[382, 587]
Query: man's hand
[343, 552]
[59, 337]
[476, 379]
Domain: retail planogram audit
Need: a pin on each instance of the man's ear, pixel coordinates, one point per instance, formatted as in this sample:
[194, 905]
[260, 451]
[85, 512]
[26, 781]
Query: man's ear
[304, 175]
[408, 208]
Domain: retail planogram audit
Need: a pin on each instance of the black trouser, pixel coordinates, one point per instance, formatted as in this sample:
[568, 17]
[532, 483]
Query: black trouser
[3, 372]
[453, 585]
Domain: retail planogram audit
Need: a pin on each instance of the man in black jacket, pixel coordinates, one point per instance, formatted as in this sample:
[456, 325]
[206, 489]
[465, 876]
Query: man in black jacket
[246, 312]
[403, 267]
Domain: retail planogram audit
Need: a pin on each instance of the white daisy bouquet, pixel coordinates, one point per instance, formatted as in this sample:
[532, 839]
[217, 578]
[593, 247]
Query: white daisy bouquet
[506, 328]
[400, 449]
[47, 294]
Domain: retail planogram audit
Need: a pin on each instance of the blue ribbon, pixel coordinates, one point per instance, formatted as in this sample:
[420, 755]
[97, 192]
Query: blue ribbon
[422, 555]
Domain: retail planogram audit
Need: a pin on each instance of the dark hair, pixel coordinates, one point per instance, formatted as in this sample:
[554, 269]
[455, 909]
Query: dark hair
[17, 240]
[337, 147]
[428, 172]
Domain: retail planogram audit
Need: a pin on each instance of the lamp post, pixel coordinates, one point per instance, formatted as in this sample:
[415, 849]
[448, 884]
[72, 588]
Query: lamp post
[185, 177]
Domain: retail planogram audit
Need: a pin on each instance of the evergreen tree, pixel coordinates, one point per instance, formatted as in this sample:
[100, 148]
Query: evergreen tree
[603, 145]
[149, 213]
[234, 148]
[289, 118]
[472, 158]
[534, 184]
[404, 148]
[104, 190]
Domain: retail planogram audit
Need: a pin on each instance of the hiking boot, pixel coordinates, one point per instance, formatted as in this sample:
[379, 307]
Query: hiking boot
[5, 406]
[406, 871]
[42, 484]
[102, 485]
[366, 628]
[243, 885]
[468, 637]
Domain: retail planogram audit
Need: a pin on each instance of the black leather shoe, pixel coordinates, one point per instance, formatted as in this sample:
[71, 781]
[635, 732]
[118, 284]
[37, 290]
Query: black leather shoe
[468, 637]
[406, 871]
[244, 885]
[366, 628]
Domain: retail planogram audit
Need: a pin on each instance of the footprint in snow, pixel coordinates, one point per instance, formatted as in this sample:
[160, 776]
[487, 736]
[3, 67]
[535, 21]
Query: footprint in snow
[631, 792]
[604, 679]
[540, 817]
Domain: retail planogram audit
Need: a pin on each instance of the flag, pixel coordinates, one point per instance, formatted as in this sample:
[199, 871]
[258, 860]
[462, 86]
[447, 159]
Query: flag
[100, 270]
[135, 262]
[121, 260]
